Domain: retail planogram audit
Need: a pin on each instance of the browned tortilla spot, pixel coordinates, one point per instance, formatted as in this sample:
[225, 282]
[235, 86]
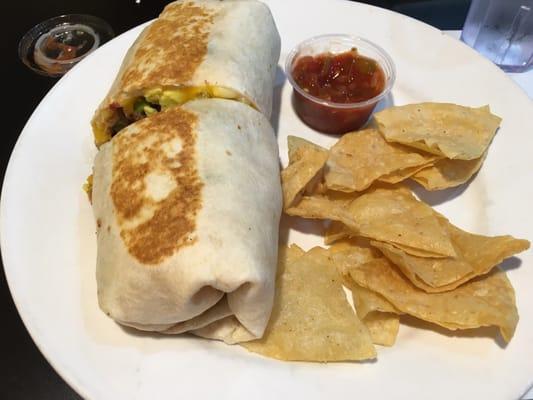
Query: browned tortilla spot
[173, 222]
[180, 37]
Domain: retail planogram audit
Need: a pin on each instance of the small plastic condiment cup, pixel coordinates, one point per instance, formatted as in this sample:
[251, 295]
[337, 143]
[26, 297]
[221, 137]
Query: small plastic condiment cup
[327, 116]
[54, 46]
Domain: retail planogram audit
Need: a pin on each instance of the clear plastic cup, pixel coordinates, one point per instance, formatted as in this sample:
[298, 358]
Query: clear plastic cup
[328, 116]
[501, 30]
[54, 46]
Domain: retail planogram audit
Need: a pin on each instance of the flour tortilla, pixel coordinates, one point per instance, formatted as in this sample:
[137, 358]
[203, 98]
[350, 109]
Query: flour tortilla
[227, 45]
[187, 204]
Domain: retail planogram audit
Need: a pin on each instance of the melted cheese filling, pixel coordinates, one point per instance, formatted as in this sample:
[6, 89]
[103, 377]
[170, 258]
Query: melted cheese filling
[162, 98]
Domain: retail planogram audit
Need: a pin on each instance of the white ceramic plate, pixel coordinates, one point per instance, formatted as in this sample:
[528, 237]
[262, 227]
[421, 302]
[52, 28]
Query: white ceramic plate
[48, 237]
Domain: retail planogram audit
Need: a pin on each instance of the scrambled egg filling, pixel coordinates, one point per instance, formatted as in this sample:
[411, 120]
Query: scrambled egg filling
[88, 187]
[155, 100]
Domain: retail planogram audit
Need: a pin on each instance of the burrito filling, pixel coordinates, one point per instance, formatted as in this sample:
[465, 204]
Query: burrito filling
[155, 100]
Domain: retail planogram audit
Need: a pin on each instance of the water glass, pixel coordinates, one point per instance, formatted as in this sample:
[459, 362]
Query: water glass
[501, 30]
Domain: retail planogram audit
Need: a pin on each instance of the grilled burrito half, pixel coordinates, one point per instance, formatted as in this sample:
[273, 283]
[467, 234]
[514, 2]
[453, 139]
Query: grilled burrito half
[187, 204]
[196, 48]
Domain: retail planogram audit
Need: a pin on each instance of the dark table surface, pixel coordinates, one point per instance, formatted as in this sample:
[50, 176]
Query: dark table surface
[25, 374]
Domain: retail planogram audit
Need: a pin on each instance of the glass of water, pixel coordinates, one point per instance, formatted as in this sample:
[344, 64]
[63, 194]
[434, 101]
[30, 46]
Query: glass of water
[501, 30]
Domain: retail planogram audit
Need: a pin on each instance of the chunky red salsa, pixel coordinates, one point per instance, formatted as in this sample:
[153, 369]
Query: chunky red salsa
[341, 78]
[345, 79]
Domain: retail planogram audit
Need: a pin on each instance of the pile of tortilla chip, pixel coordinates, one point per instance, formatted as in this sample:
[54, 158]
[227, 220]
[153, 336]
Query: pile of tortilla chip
[395, 253]
[437, 145]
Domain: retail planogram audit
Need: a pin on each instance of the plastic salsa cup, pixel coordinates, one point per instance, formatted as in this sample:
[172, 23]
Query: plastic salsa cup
[336, 117]
[54, 46]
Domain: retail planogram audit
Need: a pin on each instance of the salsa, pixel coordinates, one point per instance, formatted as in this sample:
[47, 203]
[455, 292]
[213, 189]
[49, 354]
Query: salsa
[340, 78]
[344, 79]
[68, 45]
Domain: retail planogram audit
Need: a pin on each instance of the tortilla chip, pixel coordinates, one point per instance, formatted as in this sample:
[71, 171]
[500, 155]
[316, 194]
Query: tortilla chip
[486, 301]
[476, 255]
[288, 256]
[443, 129]
[448, 173]
[336, 231]
[387, 215]
[331, 205]
[380, 316]
[417, 252]
[366, 301]
[359, 158]
[295, 143]
[395, 216]
[383, 327]
[349, 252]
[444, 273]
[403, 174]
[311, 318]
[306, 160]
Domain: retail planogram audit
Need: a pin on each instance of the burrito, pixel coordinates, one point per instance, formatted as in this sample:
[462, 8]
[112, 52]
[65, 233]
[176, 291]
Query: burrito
[187, 204]
[196, 48]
